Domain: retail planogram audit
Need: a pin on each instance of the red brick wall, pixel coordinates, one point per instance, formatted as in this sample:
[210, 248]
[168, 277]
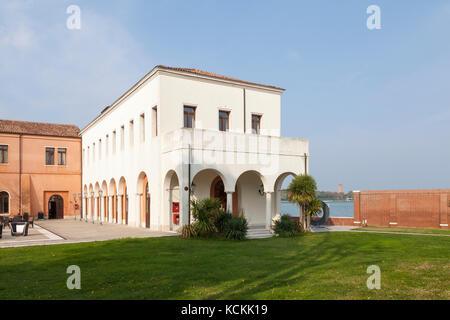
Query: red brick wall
[403, 208]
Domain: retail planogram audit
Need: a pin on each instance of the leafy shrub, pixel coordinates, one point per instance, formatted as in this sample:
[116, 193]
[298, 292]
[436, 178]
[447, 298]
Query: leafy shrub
[236, 228]
[204, 228]
[25, 216]
[188, 231]
[40, 215]
[221, 219]
[286, 227]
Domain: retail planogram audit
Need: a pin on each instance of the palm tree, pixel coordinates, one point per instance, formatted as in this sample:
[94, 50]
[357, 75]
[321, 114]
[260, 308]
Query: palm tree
[312, 209]
[302, 191]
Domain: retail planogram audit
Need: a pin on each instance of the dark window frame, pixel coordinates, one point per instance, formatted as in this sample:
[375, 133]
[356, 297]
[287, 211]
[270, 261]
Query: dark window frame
[62, 151]
[47, 158]
[189, 116]
[4, 153]
[224, 119]
[4, 202]
[256, 123]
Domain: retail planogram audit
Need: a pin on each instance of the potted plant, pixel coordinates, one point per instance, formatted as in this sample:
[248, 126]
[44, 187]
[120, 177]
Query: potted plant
[40, 215]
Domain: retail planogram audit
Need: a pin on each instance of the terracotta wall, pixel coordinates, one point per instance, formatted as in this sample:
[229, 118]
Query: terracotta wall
[38, 180]
[403, 208]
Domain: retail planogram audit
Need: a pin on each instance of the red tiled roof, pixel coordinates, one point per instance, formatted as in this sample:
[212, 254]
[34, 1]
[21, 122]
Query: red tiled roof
[214, 75]
[39, 128]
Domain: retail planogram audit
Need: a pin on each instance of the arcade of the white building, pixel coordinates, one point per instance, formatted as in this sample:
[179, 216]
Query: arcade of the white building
[181, 134]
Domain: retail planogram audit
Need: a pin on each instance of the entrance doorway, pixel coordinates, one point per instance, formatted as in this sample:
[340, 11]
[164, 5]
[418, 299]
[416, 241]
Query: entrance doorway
[218, 191]
[56, 207]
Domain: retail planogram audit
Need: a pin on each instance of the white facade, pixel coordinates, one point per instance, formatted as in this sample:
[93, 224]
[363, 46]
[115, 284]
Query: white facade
[141, 139]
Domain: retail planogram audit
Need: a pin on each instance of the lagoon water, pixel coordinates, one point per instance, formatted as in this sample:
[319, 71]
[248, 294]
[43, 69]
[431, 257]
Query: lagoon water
[337, 208]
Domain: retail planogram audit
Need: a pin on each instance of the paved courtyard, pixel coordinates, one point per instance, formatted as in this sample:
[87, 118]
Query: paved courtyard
[69, 231]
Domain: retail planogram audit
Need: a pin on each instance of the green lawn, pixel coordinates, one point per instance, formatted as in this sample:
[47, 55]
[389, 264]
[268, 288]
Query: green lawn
[405, 230]
[311, 266]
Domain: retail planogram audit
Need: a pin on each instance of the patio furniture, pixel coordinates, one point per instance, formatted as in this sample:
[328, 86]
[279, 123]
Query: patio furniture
[17, 218]
[19, 228]
[31, 221]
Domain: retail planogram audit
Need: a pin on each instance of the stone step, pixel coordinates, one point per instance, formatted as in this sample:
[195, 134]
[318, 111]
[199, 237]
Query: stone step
[253, 233]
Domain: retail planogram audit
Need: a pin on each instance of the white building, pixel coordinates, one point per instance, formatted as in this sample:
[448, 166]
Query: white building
[177, 128]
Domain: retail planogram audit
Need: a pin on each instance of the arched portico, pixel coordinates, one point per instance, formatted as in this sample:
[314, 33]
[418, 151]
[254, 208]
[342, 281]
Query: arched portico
[171, 203]
[279, 188]
[112, 201]
[251, 197]
[104, 201]
[123, 201]
[144, 200]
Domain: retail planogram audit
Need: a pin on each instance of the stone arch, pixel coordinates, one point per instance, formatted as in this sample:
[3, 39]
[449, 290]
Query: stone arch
[113, 198]
[123, 192]
[172, 199]
[251, 197]
[105, 200]
[278, 192]
[143, 191]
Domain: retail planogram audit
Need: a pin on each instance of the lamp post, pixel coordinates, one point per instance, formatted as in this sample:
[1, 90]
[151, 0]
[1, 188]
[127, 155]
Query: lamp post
[74, 208]
[100, 192]
[81, 205]
[86, 197]
[92, 206]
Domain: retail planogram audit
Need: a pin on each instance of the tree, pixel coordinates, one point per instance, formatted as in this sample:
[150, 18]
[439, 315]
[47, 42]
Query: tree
[312, 208]
[302, 191]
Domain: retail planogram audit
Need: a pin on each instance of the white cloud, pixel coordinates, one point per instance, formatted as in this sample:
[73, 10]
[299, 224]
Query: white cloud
[55, 74]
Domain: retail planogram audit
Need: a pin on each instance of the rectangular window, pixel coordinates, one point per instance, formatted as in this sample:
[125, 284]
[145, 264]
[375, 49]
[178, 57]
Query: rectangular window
[189, 117]
[3, 154]
[142, 127]
[88, 154]
[224, 120]
[131, 133]
[62, 156]
[99, 149]
[256, 123]
[122, 137]
[114, 141]
[155, 121]
[107, 146]
[49, 156]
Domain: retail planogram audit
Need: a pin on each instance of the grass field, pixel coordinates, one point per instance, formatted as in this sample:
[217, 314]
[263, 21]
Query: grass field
[311, 266]
[405, 230]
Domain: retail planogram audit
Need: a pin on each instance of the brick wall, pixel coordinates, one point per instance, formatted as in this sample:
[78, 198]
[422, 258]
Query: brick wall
[403, 208]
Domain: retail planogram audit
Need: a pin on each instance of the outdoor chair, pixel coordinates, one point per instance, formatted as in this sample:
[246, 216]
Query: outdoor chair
[19, 228]
[30, 221]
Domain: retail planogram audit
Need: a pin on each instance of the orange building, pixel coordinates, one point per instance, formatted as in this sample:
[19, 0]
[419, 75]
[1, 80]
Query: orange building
[40, 168]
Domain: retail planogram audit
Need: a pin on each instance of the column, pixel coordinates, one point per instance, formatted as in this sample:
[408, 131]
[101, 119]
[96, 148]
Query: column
[139, 207]
[110, 208]
[95, 208]
[102, 208]
[268, 210]
[119, 210]
[92, 208]
[230, 201]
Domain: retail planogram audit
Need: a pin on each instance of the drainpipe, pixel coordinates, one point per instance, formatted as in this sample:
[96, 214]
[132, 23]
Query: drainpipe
[189, 187]
[20, 173]
[244, 110]
[305, 156]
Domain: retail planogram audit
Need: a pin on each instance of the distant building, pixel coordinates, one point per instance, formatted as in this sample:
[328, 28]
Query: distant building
[340, 188]
[40, 168]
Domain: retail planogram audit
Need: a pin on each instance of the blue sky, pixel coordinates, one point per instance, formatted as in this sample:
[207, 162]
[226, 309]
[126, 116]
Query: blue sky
[374, 104]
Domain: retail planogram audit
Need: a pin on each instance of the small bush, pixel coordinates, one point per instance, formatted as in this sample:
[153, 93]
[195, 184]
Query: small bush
[25, 216]
[221, 219]
[40, 215]
[286, 227]
[236, 228]
[203, 228]
[188, 231]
